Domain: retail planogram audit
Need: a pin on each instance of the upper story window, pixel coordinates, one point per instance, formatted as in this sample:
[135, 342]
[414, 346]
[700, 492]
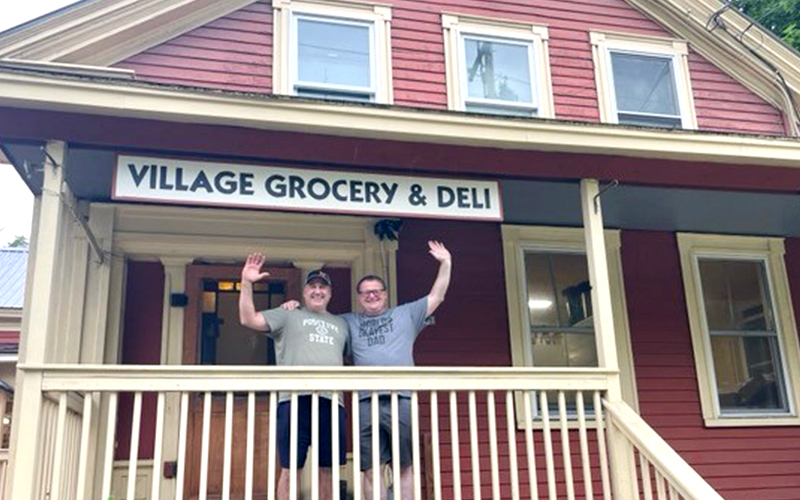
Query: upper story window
[743, 331]
[497, 67]
[643, 81]
[332, 50]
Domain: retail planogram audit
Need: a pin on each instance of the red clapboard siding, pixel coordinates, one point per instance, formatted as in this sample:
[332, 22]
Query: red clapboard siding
[235, 53]
[231, 53]
[141, 345]
[741, 463]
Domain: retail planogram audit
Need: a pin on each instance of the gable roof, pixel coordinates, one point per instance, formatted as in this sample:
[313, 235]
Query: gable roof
[13, 271]
[104, 32]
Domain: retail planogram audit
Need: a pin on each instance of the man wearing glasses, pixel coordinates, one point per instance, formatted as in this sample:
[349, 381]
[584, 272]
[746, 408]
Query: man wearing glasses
[383, 336]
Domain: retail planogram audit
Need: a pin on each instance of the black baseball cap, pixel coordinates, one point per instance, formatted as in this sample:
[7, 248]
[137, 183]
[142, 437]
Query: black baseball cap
[318, 274]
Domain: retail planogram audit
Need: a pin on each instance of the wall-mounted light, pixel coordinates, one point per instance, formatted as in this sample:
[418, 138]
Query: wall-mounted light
[539, 304]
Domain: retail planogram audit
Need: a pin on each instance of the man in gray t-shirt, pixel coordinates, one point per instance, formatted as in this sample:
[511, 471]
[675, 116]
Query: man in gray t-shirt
[303, 337]
[383, 336]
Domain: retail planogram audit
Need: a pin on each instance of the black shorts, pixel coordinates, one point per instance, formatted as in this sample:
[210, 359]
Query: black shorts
[304, 432]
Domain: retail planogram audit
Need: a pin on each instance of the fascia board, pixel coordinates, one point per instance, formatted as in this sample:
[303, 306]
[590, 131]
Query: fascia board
[113, 30]
[185, 106]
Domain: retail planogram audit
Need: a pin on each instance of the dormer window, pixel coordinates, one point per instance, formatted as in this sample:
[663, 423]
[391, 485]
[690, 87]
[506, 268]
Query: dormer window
[332, 50]
[643, 81]
[497, 67]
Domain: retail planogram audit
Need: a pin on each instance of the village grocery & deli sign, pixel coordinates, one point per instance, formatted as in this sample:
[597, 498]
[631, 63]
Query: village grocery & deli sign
[228, 184]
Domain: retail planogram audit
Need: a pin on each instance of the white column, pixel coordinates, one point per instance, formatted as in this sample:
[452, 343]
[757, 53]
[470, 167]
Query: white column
[618, 446]
[93, 338]
[172, 354]
[36, 334]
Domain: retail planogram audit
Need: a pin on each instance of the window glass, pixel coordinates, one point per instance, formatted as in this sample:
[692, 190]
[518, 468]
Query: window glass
[744, 339]
[498, 74]
[559, 303]
[333, 53]
[645, 90]
[735, 295]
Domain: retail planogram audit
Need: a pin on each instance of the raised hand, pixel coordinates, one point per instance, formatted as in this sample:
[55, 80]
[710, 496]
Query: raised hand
[438, 251]
[252, 268]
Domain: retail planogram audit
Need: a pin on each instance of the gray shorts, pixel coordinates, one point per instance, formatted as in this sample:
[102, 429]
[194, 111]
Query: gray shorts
[385, 429]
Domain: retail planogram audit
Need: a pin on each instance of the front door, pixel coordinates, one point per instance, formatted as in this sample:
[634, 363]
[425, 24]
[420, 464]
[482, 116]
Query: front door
[214, 336]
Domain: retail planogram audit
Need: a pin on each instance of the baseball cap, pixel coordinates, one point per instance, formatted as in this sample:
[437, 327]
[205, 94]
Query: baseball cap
[318, 274]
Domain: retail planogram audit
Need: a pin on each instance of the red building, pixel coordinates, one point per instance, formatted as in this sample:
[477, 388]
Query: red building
[645, 349]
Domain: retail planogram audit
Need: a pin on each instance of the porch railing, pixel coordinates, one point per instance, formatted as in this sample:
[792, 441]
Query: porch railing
[476, 433]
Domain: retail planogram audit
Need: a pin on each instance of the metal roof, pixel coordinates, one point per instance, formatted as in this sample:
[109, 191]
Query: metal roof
[13, 269]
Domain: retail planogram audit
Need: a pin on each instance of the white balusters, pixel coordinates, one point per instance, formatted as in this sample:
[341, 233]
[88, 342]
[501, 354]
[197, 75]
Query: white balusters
[182, 437]
[454, 446]
[586, 466]
[158, 445]
[133, 459]
[250, 452]
[204, 447]
[226, 465]
[565, 450]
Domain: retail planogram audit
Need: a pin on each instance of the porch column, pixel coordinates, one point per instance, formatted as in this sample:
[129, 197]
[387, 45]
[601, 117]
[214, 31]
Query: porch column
[38, 330]
[620, 451]
[171, 354]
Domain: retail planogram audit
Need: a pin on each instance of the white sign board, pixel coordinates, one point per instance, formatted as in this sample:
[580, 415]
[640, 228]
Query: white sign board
[228, 184]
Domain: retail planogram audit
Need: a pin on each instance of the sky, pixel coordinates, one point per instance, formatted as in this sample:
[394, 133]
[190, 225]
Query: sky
[16, 201]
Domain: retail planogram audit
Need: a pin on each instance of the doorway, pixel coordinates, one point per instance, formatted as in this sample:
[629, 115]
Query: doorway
[214, 336]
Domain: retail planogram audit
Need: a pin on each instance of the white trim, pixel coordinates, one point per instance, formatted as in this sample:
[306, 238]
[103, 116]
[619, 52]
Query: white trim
[457, 27]
[187, 106]
[516, 239]
[376, 16]
[770, 252]
[9, 358]
[677, 51]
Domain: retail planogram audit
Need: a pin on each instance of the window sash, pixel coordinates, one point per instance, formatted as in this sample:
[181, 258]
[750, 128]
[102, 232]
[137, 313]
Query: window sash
[355, 90]
[526, 107]
[641, 114]
[778, 358]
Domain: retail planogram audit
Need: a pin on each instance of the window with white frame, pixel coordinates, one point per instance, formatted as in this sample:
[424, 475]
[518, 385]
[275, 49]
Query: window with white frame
[497, 67]
[550, 303]
[332, 50]
[743, 331]
[643, 81]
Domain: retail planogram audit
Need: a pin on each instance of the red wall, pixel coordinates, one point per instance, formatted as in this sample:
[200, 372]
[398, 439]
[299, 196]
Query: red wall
[741, 463]
[141, 345]
[474, 316]
[235, 53]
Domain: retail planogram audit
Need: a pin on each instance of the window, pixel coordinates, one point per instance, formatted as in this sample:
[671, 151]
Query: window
[550, 304]
[497, 67]
[643, 81]
[743, 330]
[332, 50]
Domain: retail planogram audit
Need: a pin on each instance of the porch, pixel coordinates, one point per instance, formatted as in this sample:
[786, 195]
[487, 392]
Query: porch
[477, 433]
[160, 428]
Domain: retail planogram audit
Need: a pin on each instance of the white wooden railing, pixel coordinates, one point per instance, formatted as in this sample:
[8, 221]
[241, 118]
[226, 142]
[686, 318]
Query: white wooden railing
[656, 472]
[477, 432]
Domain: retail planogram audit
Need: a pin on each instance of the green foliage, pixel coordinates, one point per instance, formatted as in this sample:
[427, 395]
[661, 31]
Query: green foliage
[19, 242]
[782, 17]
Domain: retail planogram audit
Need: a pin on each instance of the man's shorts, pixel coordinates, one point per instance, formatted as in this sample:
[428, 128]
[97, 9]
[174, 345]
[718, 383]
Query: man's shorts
[385, 430]
[304, 432]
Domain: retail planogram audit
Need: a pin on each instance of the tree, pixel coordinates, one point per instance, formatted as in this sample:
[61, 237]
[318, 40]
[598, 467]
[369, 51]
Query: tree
[19, 242]
[782, 17]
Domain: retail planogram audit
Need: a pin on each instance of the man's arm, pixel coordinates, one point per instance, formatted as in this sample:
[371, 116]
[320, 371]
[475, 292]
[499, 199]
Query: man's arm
[251, 272]
[439, 288]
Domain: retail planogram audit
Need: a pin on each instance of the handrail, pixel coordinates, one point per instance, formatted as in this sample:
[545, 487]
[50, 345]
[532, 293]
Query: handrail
[680, 475]
[105, 378]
